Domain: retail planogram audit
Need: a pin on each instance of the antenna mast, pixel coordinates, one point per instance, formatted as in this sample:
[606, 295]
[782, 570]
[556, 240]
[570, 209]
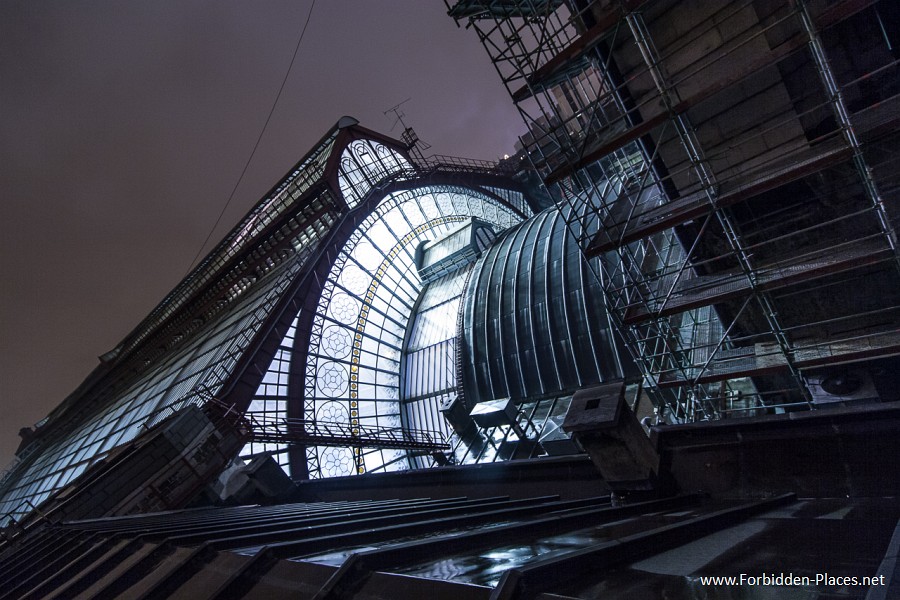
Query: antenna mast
[410, 138]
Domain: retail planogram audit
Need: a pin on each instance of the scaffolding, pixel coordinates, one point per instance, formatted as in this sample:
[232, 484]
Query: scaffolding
[729, 171]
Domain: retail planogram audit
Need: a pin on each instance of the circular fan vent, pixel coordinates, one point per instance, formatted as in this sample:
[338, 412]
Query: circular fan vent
[842, 384]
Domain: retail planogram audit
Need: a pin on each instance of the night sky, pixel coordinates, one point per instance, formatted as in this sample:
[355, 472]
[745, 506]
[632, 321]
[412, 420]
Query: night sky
[125, 125]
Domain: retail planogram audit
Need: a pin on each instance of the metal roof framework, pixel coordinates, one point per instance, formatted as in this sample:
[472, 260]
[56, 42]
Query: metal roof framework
[217, 334]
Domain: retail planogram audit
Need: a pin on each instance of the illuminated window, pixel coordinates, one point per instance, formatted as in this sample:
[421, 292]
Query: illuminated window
[365, 163]
[353, 369]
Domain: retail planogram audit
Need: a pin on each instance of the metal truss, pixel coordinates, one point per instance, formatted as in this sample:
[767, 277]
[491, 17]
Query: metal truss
[661, 182]
[337, 434]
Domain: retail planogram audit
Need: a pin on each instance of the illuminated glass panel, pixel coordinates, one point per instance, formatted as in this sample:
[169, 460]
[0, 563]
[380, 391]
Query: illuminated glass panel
[430, 359]
[353, 368]
[191, 375]
[365, 163]
[270, 402]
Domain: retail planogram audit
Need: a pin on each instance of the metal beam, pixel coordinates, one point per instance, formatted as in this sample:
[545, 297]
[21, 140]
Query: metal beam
[713, 289]
[306, 432]
[591, 155]
[693, 206]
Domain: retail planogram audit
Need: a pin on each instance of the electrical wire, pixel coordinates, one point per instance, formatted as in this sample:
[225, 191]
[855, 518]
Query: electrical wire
[258, 140]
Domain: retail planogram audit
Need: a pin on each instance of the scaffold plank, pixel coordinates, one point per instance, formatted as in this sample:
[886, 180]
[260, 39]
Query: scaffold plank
[485, 9]
[696, 205]
[573, 56]
[712, 289]
[765, 358]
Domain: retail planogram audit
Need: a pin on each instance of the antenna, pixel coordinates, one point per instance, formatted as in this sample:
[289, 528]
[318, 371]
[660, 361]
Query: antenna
[409, 136]
[398, 113]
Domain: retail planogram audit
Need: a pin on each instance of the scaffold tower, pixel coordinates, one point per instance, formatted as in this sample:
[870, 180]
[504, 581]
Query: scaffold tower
[729, 170]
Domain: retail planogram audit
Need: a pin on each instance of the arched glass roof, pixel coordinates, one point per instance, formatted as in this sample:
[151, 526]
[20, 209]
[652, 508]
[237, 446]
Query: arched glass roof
[364, 163]
[357, 341]
[300, 311]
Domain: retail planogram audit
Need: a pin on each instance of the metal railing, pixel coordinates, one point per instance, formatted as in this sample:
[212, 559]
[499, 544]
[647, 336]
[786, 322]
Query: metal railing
[331, 433]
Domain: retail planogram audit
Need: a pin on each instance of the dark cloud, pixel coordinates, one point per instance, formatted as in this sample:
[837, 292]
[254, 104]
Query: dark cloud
[124, 127]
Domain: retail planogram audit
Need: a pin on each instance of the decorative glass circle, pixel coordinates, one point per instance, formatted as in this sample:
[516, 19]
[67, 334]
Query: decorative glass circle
[354, 279]
[366, 255]
[344, 308]
[332, 379]
[336, 462]
[336, 342]
[430, 210]
[413, 214]
[332, 412]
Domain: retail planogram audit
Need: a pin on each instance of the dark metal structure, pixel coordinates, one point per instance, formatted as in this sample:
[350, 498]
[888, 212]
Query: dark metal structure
[336, 434]
[732, 169]
[331, 316]
[691, 267]
[283, 322]
[528, 529]
[534, 320]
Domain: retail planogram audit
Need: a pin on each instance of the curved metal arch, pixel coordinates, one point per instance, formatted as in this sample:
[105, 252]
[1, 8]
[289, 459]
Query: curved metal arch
[240, 388]
[399, 205]
[363, 164]
[563, 279]
[549, 314]
[584, 284]
[494, 393]
[532, 303]
[302, 299]
[470, 374]
[361, 323]
[351, 132]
